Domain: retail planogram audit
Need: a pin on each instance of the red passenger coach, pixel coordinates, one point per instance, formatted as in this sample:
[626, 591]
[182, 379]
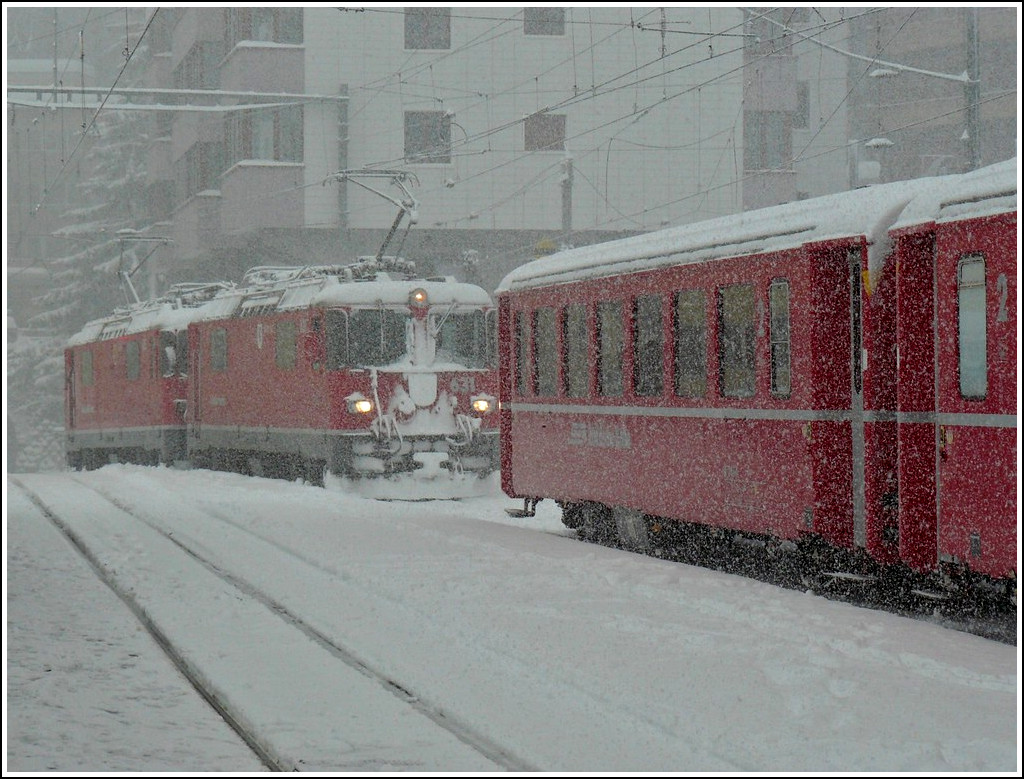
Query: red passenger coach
[363, 371]
[745, 376]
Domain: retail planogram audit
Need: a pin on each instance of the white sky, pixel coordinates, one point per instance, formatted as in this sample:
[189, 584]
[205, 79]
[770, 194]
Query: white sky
[542, 653]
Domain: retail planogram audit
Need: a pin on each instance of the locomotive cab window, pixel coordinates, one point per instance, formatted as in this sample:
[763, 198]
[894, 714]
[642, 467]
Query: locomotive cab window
[462, 339]
[691, 343]
[337, 340]
[376, 336]
[778, 307]
[972, 335]
[575, 375]
[167, 346]
[648, 346]
[492, 338]
[545, 358]
[736, 341]
[609, 349]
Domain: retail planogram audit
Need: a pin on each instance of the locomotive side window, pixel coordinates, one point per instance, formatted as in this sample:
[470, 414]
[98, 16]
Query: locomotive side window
[691, 342]
[778, 307]
[574, 351]
[168, 353]
[219, 349]
[648, 346]
[462, 339]
[545, 358]
[181, 353]
[337, 340]
[376, 336]
[972, 337]
[522, 338]
[132, 360]
[736, 341]
[88, 378]
[284, 345]
[609, 349]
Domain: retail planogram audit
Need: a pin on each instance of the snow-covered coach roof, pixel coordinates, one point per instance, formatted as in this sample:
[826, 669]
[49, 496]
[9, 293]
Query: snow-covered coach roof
[868, 212]
[988, 190]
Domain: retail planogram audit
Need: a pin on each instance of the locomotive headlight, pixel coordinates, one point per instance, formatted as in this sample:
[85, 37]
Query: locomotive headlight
[482, 404]
[418, 298]
[359, 403]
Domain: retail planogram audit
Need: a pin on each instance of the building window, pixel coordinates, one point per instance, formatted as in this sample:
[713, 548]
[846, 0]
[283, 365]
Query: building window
[428, 28]
[275, 25]
[575, 367]
[767, 140]
[428, 137]
[200, 169]
[544, 132]
[972, 336]
[265, 135]
[802, 115]
[648, 346]
[219, 349]
[691, 342]
[545, 358]
[200, 67]
[284, 345]
[736, 341]
[778, 306]
[609, 349]
[543, 21]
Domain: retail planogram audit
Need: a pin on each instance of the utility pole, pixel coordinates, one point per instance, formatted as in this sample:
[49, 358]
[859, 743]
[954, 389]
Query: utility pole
[972, 90]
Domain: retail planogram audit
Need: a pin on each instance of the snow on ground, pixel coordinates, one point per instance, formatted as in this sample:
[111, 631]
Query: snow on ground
[560, 655]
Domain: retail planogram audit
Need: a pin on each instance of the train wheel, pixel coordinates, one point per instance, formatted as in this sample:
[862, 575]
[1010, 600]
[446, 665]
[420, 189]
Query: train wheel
[632, 529]
[597, 525]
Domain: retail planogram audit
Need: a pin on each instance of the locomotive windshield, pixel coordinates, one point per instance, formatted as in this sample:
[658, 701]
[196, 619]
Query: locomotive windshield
[365, 337]
[465, 339]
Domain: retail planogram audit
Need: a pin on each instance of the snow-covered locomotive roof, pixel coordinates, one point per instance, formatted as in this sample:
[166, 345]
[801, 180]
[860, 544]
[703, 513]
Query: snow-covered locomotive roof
[172, 311]
[829, 217]
[361, 284]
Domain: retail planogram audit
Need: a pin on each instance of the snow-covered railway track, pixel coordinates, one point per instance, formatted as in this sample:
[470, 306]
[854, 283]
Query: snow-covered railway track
[291, 662]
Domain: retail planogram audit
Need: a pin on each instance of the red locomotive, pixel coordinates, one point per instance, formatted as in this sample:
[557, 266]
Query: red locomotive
[361, 371]
[836, 375]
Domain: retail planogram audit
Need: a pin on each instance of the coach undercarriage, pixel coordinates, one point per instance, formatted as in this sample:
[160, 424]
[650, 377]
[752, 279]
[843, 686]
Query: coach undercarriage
[808, 563]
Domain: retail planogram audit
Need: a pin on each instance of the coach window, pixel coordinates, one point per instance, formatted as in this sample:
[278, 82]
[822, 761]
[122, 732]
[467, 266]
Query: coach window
[522, 339]
[736, 341]
[609, 349]
[691, 343]
[778, 306]
[88, 377]
[219, 349]
[545, 357]
[648, 346]
[972, 338]
[575, 378]
[284, 345]
[131, 360]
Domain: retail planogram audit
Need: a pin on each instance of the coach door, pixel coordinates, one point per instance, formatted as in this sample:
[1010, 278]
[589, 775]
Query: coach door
[857, 358]
[975, 394]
